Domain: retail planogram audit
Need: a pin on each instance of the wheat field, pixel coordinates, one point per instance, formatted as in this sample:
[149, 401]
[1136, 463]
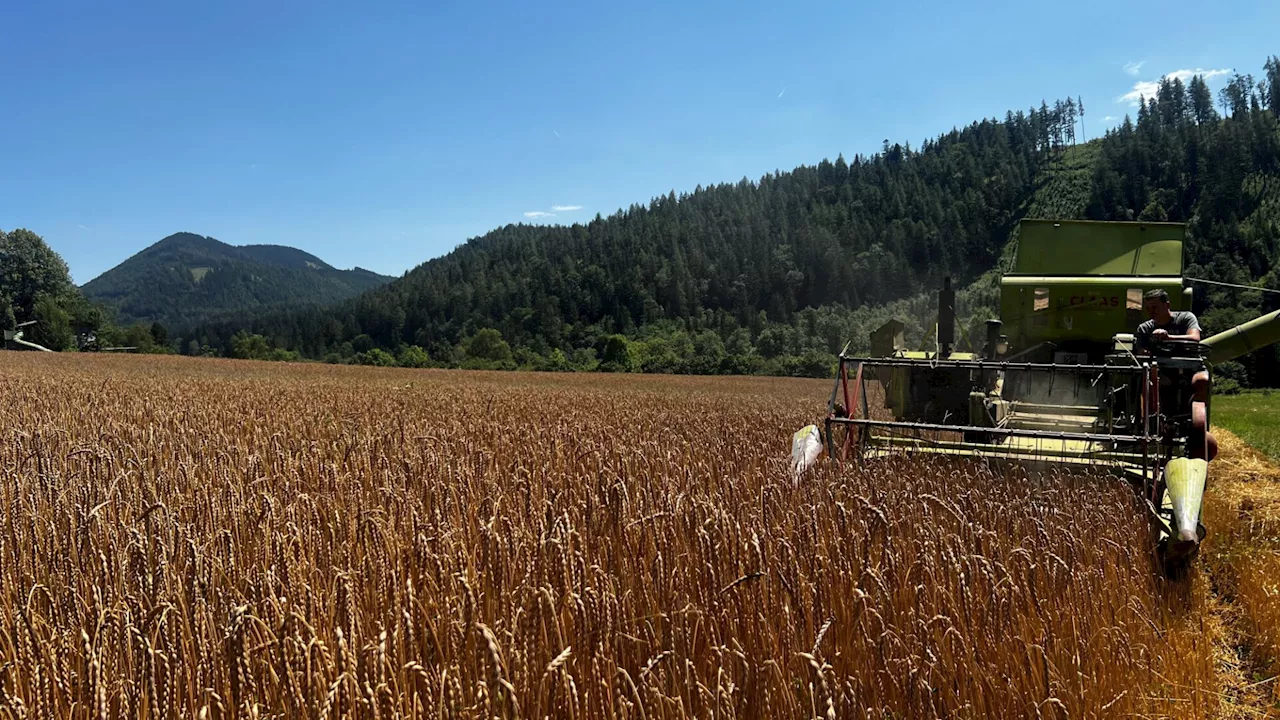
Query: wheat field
[211, 538]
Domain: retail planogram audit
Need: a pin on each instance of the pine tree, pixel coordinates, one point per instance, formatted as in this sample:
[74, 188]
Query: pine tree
[1069, 121]
[1080, 110]
[1202, 110]
[1235, 95]
[1055, 124]
[1164, 101]
[1045, 128]
[1272, 70]
[1178, 97]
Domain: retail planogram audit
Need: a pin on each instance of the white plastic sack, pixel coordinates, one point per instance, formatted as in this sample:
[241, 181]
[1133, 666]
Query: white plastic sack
[806, 446]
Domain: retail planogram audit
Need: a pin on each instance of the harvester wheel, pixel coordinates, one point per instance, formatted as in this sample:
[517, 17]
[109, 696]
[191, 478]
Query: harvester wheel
[1200, 443]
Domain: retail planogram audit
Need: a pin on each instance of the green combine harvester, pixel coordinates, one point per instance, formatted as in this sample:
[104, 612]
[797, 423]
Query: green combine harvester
[13, 339]
[1059, 382]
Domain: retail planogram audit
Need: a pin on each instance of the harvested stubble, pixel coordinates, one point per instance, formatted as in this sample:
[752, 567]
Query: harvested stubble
[1258, 593]
[1243, 557]
[185, 537]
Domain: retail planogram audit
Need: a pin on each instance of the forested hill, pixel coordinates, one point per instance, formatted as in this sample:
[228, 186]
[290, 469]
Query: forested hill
[745, 255]
[777, 274]
[186, 279]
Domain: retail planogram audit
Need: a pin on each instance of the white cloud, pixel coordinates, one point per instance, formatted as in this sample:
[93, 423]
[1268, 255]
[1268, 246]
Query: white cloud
[1133, 68]
[1148, 88]
[566, 208]
[538, 214]
[781, 93]
[1142, 90]
[82, 227]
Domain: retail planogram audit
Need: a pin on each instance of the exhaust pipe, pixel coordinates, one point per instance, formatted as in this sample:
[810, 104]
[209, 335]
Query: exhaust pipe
[946, 318]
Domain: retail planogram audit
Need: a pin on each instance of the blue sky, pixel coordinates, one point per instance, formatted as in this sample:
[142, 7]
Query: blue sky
[383, 134]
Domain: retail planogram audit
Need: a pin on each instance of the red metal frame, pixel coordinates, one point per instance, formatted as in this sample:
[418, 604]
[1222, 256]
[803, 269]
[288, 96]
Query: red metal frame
[849, 407]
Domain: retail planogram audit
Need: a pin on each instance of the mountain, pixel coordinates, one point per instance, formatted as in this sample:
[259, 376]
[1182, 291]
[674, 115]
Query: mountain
[187, 278]
[778, 274]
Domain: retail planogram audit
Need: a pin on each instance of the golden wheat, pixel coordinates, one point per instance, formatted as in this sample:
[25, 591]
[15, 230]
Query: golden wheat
[219, 539]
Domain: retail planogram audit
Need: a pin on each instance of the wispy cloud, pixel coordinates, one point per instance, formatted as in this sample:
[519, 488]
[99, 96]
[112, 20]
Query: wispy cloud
[1149, 88]
[783, 91]
[553, 132]
[538, 214]
[566, 208]
[83, 227]
[1133, 68]
[1108, 118]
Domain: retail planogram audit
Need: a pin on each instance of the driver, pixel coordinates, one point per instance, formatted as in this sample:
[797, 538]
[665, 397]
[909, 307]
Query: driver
[1164, 324]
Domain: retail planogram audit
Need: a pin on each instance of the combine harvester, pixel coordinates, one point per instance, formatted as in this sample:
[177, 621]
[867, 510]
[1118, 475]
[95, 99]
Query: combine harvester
[1058, 382]
[13, 338]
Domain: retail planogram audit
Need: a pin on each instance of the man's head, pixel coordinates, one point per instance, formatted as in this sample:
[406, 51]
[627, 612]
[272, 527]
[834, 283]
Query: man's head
[1156, 303]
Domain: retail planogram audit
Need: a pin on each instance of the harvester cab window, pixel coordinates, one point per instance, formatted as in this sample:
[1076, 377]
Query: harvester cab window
[1042, 299]
[1133, 307]
[1133, 299]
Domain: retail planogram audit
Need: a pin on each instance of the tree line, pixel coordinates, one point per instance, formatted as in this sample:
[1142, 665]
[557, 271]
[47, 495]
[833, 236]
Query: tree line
[764, 276]
[776, 275]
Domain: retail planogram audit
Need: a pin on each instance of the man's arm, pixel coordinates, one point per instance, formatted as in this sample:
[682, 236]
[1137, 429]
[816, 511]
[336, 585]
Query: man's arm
[1164, 335]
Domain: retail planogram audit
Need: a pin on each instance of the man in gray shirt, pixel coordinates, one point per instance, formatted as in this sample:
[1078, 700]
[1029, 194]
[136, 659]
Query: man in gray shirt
[1163, 325]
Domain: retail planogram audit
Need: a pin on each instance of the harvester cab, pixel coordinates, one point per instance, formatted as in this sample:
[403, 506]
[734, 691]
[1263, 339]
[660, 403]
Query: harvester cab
[1057, 381]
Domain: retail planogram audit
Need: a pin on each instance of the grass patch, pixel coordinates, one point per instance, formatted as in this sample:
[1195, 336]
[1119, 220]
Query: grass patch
[1254, 416]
